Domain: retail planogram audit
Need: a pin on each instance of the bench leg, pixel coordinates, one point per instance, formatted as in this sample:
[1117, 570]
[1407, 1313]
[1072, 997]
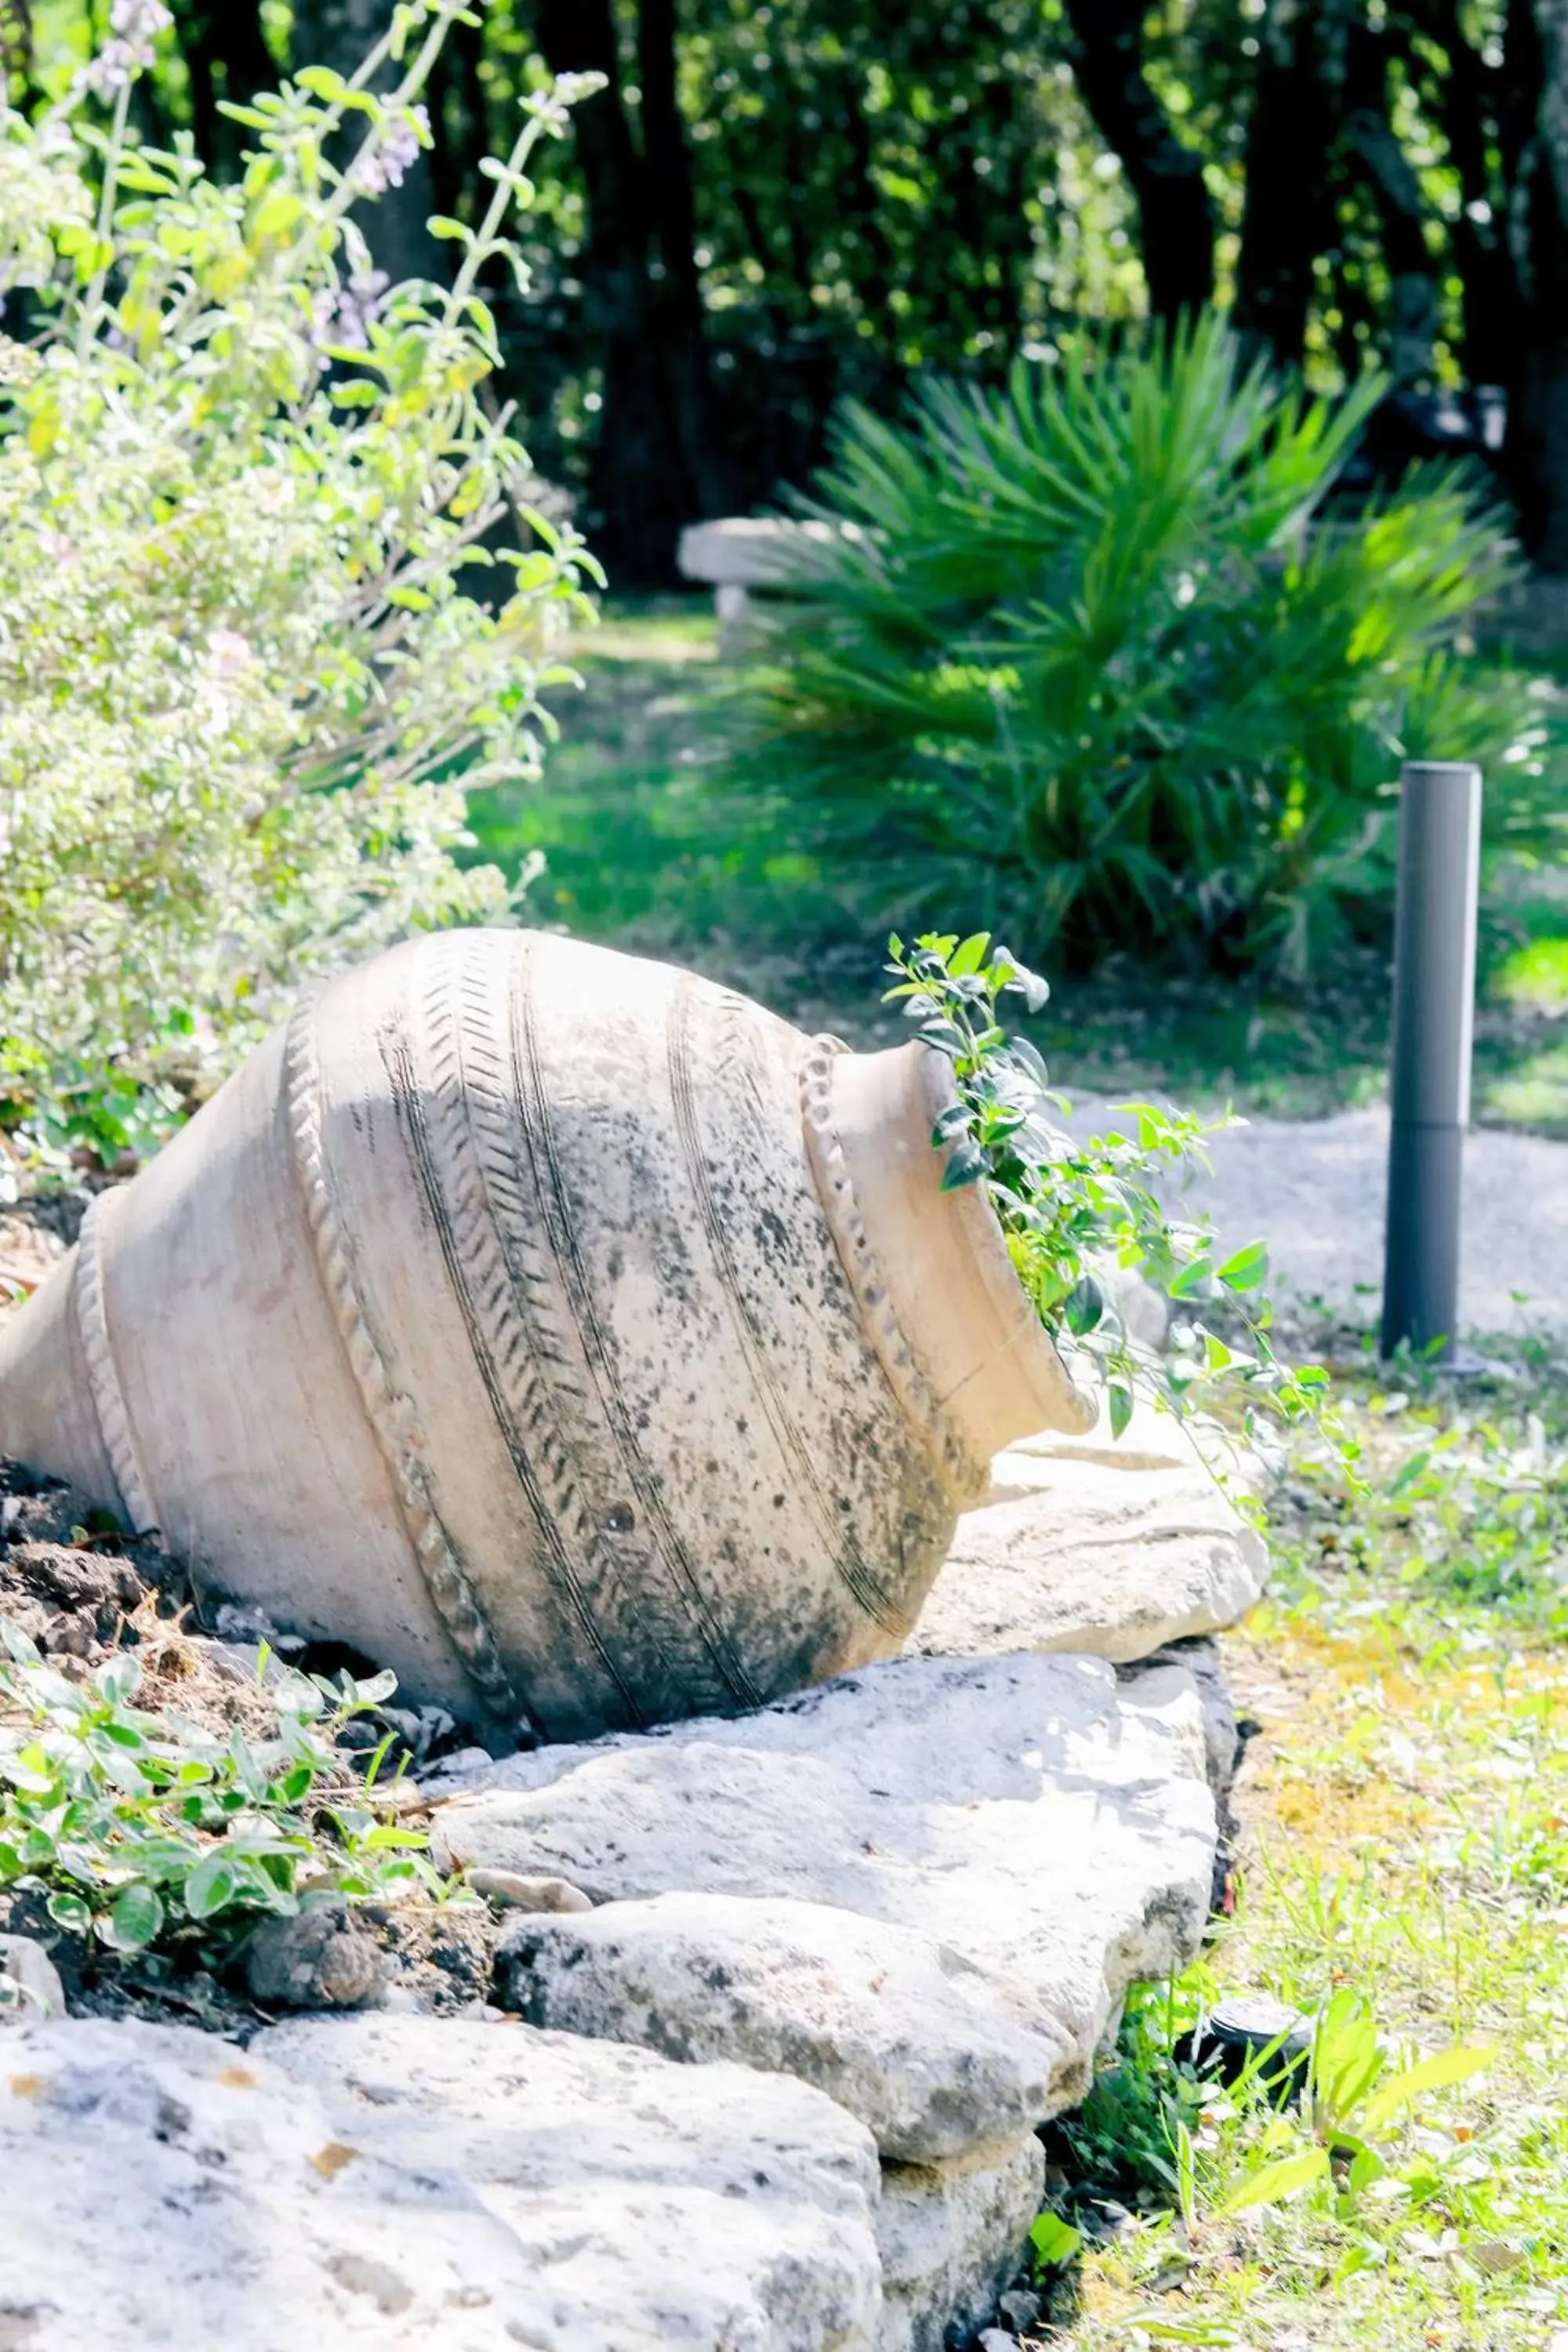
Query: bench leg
[732, 606]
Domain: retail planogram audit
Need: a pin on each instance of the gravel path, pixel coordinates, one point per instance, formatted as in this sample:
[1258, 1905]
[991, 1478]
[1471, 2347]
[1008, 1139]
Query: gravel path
[1313, 1190]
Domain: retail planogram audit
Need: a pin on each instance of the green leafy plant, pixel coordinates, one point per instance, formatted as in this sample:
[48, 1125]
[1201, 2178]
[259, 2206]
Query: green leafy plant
[1361, 2089]
[1125, 2141]
[1170, 2139]
[138, 1825]
[249, 495]
[1075, 1210]
[1052, 2243]
[1095, 647]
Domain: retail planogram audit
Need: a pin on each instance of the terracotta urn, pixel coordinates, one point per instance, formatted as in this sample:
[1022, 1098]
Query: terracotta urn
[561, 1329]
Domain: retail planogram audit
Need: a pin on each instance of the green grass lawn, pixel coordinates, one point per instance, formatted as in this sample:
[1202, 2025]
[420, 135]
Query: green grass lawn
[645, 849]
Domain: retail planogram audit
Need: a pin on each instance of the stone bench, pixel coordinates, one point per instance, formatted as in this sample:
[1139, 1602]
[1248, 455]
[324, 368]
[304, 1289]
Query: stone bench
[737, 556]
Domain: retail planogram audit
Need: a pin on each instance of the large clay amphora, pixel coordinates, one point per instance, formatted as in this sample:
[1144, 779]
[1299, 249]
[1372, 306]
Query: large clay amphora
[559, 1328]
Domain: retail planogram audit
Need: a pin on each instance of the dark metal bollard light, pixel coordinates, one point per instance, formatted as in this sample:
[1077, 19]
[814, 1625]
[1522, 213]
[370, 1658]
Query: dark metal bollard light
[1429, 1088]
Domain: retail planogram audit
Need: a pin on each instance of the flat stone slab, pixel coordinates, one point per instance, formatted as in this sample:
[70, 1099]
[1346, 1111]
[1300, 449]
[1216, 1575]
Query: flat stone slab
[395, 2181]
[1033, 1837]
[950, 2237]
[1169, 1676]
[1114, 1547]
[907, 2033]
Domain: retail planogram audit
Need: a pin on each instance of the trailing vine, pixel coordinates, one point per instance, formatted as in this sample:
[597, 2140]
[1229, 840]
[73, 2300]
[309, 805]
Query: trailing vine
[1077, 1211]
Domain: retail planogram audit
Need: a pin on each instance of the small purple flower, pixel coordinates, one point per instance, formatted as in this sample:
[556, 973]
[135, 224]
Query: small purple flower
[345, 314]
[227, 653]
[139, 20]
[111, 71]
[388, 164]
[136, 24]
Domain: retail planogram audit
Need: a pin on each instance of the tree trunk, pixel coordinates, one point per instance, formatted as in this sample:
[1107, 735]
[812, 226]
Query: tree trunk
[655, 467]
[1479, 102]
[1376, 154]
[227, 60]
[679, 323]
[459, 130]
[1289, 217]
[341, 34]
[1176, 218]
[1537, 450]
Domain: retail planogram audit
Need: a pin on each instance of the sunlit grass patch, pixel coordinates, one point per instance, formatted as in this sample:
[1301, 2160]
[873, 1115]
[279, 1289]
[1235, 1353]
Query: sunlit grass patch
[1403, 1872]
[1536, 974]
[1534, 1093]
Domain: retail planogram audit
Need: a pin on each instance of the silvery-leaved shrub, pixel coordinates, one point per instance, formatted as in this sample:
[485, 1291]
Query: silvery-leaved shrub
[271, 577]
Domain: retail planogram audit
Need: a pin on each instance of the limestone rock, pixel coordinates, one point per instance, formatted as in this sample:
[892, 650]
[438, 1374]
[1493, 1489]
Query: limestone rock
[316, 1959]
[689, 2205]
[1091, 1544]
[1166, 1697]
[30, 1987]
[1154, 1439]
[1174, 1683]
[394, 2183]
[907, 2033]
[1194, 1665]
[950, 2236]
[509, 1890]
[1144, 1312]
[1015, 1813]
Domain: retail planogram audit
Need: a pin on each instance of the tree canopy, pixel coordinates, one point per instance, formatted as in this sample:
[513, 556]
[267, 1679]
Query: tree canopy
[771, 206]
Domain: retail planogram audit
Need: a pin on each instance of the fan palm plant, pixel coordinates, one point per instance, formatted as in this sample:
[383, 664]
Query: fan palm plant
[1090, 638]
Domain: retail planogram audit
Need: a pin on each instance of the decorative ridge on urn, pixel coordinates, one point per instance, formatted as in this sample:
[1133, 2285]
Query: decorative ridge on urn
[392, 1418]
[102, 1373]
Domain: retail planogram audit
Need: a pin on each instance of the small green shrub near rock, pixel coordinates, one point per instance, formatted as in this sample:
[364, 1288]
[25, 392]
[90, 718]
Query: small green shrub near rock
[136, 1824]
[250, 498]
[1094, 654]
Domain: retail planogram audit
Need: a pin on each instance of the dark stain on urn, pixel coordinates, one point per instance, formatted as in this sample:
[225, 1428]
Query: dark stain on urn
[666, 1248]
[773, 1239]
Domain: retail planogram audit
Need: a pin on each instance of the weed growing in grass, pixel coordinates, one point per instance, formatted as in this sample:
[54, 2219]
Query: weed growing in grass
[139, 1827]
